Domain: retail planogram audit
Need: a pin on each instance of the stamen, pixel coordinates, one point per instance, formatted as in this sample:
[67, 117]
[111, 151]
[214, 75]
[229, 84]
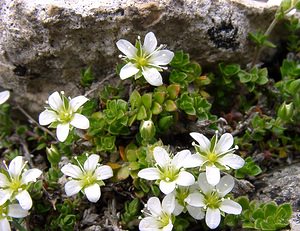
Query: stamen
[82, 169]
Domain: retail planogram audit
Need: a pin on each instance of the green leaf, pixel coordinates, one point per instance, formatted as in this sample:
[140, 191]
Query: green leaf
[142, 113]
[262, 76]
[170, 105]
[135, 99]
[156, 108]
[244, 77]
[87, 77]
[165, 122]
[147, 100]
[173, 91]
[229, 70]
[159, 96]
[284, 212]
[270, 209]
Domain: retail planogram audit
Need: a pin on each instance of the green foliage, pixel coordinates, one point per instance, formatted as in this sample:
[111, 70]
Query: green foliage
[87, 77]
[254, 77]
[131, 213]
[261, 40]
[250, 169]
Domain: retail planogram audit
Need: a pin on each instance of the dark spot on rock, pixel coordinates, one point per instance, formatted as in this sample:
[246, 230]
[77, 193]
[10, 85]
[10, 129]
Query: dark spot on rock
[120, 12]
[224, 36]
[20, 70]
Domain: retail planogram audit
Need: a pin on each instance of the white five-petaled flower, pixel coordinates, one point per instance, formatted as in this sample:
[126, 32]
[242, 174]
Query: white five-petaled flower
[212, 201]
[14, 185]
[4, 95]
[215, 155]
[144, 60]
[9, 211]
[63, 113]
[88, 177]
[158, 215]
[169, 172]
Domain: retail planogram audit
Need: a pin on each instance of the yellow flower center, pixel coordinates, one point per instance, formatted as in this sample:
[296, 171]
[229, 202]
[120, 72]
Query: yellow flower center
[88, 179]
[141, 61]
[15, 184]
[212, 200]
[65, 116]
[212, 157]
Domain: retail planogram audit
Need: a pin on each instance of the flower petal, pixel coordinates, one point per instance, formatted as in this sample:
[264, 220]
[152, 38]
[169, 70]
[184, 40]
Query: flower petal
[4, 225]
[195, 212]
[148, 224]
[55, 101]
[128, 70]
[203, 142]
[224, 144]
[154, 206]
[161, 156]
[178, 208]
[91, 163]
[72, 187]
[5, 195]
[72, 170]
[225, 185]
[152, 76]
[46, 117]
[212, 218]
[195, 199]
[150, 43]
[212, 175]
[167, 187]
[15, 167]
[31, 175]
[24, 200]
[149, 174]
[185, 179]
[104, 172]
[77, 102]
[3, 181]
[203, 183]
[4, 95]
[168, 204]
[180, 157]
[232, 160]
[168, 227]
[126, 48]
[93, 193]
[162, 57]
[16, 211]
[80, 121]
[62, 131]
[231, 207]
[194, 160]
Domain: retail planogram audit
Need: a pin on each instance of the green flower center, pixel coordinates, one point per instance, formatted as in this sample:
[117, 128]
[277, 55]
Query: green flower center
[212, 200]
[212, 157]
[65, 116]
[141, 61]
[164, 220]
[181, 195]
[169, 173]
[88, 179]
[15, 184]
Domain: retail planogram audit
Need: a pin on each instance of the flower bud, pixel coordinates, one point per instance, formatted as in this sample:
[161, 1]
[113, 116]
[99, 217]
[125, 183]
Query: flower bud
[53, 155]
[147, 130]
[285, 111]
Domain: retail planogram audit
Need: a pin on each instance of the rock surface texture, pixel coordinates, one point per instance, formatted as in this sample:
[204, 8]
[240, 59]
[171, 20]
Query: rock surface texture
[45, 44]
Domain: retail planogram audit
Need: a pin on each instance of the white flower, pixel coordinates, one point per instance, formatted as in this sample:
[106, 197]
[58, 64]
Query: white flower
[63, 113]
[158, 215]
[144, 60]
[14, 185]
[7, 212]
[88, 177]
[4, 95]
[213, 156]
[212, 201]
[169, 172]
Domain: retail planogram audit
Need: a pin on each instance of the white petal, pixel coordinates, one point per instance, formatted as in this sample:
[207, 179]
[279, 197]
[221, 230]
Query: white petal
[16, 211]
[167, 187]
[4, 225]
[55, 101]
[185, 179]
[161, 156]
[128, 70]
[152, 76]
[231, 207]
[5, 195]
[225, 185]
[91, 163]
[203, 142]
[154, 206]
[72, 170]
[203, 183]
[212, 218]
[162, 57]
[168, 203]
[31, 175]
[149, 224]
[104, 172]
[4, 95]
[180, 157]
[93, 193]
[212, 175]
[195, 199]
[72, 187]
[3, 180]
[80, 121]
[149, 174]
[77, 102]
[232, 160]
[47, 117]
[127, 48]
[15, 166]
[24, 200]
[195, 212]
[150, 43]
[225, 143]
[178, 208]
[62, 131]
[194, 160]
[168, 227]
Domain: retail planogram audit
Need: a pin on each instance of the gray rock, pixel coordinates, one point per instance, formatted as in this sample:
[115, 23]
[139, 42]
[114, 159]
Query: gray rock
[45, 44]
